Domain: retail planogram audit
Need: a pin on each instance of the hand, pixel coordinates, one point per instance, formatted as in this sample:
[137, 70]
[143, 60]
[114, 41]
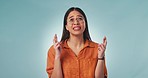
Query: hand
[102, 48]
[57, 45]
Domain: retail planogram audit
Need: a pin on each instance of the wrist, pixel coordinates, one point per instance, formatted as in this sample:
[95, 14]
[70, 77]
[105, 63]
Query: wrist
[57, 56]
[101, 58]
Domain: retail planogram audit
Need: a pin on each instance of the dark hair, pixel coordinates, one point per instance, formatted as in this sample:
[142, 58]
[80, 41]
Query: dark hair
[66, 34]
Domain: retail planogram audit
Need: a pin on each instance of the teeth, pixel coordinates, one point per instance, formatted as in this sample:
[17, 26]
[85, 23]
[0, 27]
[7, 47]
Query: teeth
[77, 28]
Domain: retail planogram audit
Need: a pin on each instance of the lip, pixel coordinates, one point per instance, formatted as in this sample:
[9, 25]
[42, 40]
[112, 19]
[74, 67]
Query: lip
[77, 27]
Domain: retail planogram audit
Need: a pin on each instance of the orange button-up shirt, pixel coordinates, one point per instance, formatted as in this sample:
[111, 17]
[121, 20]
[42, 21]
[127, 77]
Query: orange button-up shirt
[81, 66]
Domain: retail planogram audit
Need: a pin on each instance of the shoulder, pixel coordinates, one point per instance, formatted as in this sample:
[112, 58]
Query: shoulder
[51, 50]
[92, 43]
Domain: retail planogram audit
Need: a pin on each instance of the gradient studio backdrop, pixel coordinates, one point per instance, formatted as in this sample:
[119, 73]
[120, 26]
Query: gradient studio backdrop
[27, 28]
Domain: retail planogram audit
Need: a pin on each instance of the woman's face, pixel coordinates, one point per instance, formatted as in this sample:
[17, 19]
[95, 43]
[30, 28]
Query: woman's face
[75, 23]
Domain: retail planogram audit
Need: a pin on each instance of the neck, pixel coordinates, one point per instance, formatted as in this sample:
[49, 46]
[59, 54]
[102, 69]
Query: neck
[76, 41]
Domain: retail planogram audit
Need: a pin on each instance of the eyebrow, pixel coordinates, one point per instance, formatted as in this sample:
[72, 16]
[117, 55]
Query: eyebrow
[70, 17]
[80, 15]
[77, 15]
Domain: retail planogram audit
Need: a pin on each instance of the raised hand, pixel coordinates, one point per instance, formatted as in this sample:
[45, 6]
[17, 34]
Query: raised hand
[102, 48]
[57, 45]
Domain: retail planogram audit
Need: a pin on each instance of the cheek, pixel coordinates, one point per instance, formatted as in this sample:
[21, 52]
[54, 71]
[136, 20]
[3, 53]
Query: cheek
[68, 27]
[84, 26]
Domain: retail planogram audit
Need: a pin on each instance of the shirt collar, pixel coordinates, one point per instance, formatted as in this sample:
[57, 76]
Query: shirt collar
[88, 43]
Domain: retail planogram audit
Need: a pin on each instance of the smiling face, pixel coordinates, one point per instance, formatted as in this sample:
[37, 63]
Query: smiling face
[75, 23]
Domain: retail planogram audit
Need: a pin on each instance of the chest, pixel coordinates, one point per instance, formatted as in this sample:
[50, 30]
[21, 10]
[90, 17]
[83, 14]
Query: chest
[84, 63]
[79, 68]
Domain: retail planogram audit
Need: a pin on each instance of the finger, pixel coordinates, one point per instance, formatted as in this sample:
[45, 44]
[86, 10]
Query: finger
[102, 46]
[55, 38]
[60, 43]
[56, 45]
[98, 44]
[99, 48]
[104, 41]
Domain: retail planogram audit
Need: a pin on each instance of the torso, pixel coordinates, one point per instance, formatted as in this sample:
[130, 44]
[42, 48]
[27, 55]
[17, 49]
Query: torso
[82, 65]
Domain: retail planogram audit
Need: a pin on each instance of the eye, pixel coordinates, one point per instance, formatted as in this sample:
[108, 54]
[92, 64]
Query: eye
[71, 20]
[80, 19]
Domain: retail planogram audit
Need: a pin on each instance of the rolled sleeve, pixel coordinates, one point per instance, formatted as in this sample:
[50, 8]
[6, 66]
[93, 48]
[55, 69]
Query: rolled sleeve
[50, 61]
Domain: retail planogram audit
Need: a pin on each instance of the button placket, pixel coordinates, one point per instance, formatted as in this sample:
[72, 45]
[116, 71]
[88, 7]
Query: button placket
[78, 68]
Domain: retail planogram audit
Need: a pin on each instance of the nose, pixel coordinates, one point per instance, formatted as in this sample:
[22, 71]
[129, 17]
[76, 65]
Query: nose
[76, 22]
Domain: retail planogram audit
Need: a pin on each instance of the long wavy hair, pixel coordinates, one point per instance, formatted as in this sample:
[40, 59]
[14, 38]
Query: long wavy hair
[66, 34]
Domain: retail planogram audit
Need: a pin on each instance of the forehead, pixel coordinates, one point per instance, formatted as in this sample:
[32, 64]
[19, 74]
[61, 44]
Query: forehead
[75, 14]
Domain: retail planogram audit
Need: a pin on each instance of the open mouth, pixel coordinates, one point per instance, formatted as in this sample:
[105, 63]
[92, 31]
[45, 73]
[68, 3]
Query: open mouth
[76, 28]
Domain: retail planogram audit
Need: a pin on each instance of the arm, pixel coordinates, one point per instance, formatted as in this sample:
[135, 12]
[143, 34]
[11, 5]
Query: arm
[53, 64]
[99, 71]
[54, 69]
[57, 71]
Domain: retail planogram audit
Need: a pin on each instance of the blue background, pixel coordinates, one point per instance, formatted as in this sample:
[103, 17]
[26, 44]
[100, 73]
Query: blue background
[27, 28]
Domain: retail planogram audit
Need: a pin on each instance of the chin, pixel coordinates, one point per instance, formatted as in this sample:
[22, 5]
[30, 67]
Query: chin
[77, 33]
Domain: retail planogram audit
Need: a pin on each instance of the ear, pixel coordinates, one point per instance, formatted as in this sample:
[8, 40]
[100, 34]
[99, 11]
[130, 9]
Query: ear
[66, 27]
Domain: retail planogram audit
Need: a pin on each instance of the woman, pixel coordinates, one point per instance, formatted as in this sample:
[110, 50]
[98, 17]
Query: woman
[76, 56]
